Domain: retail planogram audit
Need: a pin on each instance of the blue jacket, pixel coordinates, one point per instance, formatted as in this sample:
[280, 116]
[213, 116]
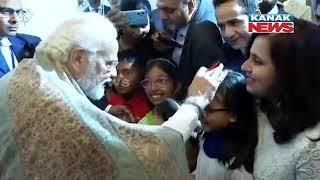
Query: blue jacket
[23, 46]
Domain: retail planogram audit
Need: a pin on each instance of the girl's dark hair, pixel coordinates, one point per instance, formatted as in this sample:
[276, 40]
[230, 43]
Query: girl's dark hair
[240, 137]
[134, 57]
[166, 65]
[295, 57]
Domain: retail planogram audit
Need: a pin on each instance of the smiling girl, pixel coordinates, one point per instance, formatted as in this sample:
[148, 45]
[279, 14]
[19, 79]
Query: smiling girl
[160, 83]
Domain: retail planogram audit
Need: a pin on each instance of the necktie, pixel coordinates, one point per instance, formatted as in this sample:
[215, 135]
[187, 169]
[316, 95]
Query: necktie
[3, 64]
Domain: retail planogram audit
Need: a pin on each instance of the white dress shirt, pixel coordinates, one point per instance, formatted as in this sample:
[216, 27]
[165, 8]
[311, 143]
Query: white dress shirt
[274, 10]
[99, 9]
[8, 54]
[180, 37]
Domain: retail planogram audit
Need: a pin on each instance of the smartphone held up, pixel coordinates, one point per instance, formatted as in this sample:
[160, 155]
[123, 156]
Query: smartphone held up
[137, 18]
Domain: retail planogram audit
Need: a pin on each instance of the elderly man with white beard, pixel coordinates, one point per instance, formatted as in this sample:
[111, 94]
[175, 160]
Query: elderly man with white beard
[50, 130]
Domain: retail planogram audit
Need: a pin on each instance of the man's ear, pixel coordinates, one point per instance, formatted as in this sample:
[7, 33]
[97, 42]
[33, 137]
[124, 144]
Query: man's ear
[78, 62]
[191, 5]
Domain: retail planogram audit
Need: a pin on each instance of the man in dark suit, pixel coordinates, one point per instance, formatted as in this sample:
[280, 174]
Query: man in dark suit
[13, 47]
[232, 18]
[271, 7]
[96, 6]
[193, 22]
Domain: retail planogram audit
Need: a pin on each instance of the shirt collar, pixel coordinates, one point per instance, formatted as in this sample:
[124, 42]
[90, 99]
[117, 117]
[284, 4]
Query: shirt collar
[5, 42]
[183, 30]
[274, 10]
[92, 9]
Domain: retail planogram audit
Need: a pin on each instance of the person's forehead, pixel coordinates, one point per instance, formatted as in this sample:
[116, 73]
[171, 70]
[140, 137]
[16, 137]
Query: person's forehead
[15, 4]
[168, 3]
[109, 49]
[229, 11]
[261, 48]
[124, 65]
[108, 54]
[155, 71]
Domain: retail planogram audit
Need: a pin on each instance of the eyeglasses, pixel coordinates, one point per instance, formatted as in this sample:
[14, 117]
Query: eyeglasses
[160, 82]
[111, 63]
[9, 11]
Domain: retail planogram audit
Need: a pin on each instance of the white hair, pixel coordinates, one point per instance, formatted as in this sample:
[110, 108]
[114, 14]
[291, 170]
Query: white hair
[89, 31]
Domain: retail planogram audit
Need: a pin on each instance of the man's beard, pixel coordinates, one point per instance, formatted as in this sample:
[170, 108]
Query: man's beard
[171, 27]
[91, 83]
[95, 93]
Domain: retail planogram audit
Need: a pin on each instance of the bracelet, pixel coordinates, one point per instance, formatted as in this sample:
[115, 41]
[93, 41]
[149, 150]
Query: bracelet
[107, 109]
[199, 109]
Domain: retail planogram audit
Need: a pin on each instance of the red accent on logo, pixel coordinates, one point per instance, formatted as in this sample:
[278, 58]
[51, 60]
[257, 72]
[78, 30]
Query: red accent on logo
[271, 27]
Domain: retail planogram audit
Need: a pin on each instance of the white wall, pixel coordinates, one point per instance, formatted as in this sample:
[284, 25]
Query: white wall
[47, 14]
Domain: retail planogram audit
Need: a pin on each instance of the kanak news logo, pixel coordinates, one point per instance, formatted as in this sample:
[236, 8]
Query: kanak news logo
[271, 23]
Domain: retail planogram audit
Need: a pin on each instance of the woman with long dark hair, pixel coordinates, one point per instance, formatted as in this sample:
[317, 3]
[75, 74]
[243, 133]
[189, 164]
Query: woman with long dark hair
[227, 146]
[283, 72]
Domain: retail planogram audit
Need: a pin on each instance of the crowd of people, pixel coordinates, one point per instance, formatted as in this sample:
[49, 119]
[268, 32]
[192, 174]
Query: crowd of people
[191, 95]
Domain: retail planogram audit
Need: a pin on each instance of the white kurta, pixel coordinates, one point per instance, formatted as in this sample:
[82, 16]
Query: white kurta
[50, 130]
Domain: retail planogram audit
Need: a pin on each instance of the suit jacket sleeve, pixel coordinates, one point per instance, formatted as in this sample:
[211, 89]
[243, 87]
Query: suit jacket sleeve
[207, 45]
[203, 48]
[29, 43]
[24, 45]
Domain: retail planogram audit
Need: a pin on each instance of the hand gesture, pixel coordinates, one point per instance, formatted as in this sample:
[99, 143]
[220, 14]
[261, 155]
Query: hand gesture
[158, 44]
[119, 20]
[204, 85]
